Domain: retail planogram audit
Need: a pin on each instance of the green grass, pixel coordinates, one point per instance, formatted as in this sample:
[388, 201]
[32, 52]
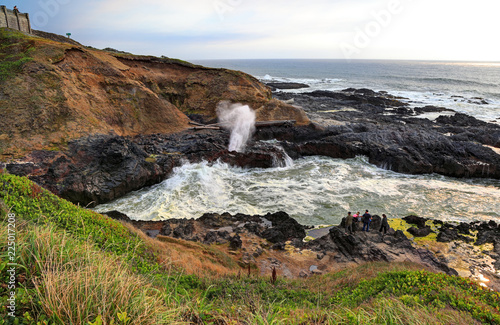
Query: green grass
[15, 52]
[78, 267]
[31, 202]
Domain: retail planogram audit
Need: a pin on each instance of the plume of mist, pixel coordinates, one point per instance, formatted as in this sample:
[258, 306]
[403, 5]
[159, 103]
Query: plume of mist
[239, 120]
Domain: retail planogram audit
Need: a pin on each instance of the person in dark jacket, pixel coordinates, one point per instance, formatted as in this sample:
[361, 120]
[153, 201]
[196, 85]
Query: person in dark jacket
[367, 218]
[384, 225]
[348, 222]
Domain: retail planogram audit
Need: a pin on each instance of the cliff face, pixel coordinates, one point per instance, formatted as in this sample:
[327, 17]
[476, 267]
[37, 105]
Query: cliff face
[52, 92]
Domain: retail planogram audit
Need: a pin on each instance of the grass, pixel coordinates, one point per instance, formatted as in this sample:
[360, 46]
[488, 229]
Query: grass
[14, 53]
[65, 278]
[78, 267]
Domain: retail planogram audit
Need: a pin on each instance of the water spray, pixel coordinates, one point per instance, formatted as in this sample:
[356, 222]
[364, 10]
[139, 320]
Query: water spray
[239, 120]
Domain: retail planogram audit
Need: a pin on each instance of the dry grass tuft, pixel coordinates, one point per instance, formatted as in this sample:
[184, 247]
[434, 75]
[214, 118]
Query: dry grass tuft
[190, 257]
[74, 282]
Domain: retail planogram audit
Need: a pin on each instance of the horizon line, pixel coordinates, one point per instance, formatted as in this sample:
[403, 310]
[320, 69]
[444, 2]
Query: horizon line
[343, 59]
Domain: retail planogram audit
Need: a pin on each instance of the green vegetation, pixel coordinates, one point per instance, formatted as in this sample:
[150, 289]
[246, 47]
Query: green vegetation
[75, 266]
[14, 53]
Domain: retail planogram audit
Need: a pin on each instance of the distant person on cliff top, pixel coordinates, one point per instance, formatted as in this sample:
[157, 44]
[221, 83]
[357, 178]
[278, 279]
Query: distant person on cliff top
[15, 9]
[384, 225]
[348, 222]
[367, 218]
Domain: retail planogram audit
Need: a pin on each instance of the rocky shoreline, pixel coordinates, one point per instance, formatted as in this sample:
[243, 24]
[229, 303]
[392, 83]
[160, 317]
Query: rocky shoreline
[346, 124]
[277, 240]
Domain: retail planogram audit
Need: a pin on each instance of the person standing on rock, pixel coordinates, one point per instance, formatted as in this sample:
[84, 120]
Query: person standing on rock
[348, 222]
[385, 224]
[367, 218]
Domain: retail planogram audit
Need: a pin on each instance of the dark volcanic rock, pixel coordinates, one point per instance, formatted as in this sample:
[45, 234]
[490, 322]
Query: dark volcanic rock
[374, 247]
[452, 146]
[415, 220]
[420, 232]
[464, 228]
[235, 242]
[428, 109]
[284, 227]
[348, 245]
[447, 234]
[101, 168]
[184, 230]
[95, 169]
[286, 85]
[488, 236]
[218, 228]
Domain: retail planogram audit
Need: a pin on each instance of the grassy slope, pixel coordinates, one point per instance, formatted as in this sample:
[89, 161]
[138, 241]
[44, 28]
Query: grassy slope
[52, 92]
[78, 267]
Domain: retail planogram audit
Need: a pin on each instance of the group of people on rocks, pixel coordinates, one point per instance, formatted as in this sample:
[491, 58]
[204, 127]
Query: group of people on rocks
[366, 219]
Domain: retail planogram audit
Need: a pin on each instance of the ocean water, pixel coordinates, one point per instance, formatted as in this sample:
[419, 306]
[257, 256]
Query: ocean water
[461, 86]
[320, 190]
[314, 190]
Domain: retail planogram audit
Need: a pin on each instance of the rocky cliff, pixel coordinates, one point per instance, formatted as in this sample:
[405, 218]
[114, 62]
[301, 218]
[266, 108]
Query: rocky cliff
[53, 92]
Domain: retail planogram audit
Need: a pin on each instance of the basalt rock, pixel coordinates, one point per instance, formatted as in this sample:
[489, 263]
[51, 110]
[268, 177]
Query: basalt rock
[415, 220]
[448, 233]
[420, 232]
[95, 169]
[488, 236]
[101, 168]
[220, 228]
[235, 242]
[286, 85]
[280, 230]
[362, 246]
[284, 224]
[458, 146]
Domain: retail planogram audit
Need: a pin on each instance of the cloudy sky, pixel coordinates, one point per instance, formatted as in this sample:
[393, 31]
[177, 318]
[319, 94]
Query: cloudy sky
[247, 29]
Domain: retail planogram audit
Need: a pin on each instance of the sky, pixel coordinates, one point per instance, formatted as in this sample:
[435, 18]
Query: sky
[258, 29]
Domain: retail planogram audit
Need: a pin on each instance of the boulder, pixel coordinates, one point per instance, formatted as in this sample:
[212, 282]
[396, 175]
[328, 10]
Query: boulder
[415, 220]
[447, 234]
[235, 242]
[420, 232]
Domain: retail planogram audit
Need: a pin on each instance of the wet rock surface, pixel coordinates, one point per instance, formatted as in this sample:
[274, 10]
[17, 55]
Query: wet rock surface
[101, 168]
[387, 131]
[286, 85]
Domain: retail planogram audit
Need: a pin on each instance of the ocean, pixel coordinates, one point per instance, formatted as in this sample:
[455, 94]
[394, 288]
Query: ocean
[472, 88]
[320, 190]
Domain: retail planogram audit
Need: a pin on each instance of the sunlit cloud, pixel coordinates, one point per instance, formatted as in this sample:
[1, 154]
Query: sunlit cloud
[201, 29]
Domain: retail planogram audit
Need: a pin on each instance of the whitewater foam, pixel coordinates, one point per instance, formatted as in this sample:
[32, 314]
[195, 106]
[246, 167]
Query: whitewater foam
[315, 190]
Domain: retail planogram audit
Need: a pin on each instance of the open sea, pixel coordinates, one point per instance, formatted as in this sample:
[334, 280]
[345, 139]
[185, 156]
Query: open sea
[460, 86]
[319, 190]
